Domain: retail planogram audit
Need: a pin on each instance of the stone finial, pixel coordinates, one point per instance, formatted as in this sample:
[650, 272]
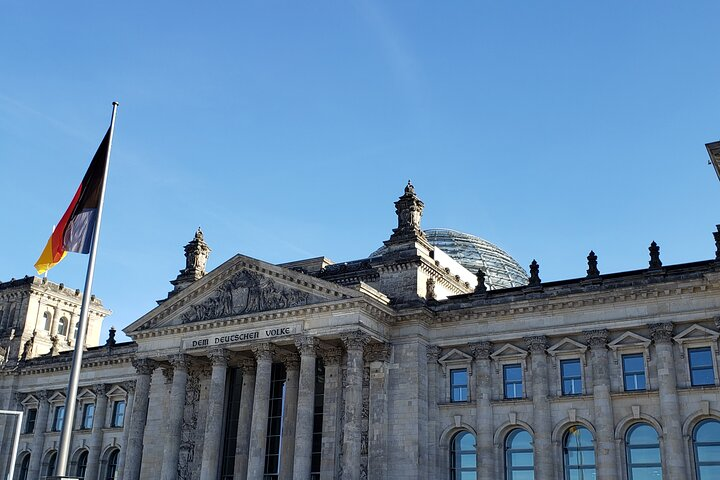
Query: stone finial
[596, 338]
[717, 242]
[144, 366]
[377, 352]
[481, 350]
[534, 274]
[592, 270]
[480, 287]
[196, 255]
[110, 342]
[430, 289]
[661, 332]
[409, 210]
[536, 343]
[331, 355]
[355, 340]
[654, 256]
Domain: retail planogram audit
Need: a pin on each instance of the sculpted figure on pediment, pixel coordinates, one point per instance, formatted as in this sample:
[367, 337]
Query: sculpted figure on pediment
[245, 292]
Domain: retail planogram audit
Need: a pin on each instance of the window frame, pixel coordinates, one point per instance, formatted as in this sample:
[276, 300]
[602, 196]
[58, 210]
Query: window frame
[456, 360]
[629, 447]
[566, 452]
[465, 386]
[563, 362]
[696, 459]
[114, 416]
[641, 355]
[30, 420]
[507, 451]
[111, 464]
[58, 419]
[505, 367]
[87, 406]
[711, 367]
[456, 468]
[81, 467]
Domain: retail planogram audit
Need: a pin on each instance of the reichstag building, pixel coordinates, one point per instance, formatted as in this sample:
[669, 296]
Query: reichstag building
[437, 357]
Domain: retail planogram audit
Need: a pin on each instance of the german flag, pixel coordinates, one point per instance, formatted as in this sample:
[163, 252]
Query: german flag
[75, 231]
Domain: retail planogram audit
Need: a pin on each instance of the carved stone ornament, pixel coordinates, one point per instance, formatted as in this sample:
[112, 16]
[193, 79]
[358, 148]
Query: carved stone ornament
[716, 235]
[291, 361]
[99, 389]
[596, 338]
[355, 340]
[592, 270]
[433, 353]
[661, 332]
[717, 322]
[430, 289]
[129, 386]
[480, 287]
[481, 350]
[144, 366]
[243, 293]
[179, 361]
[534, 279]
[264, 351]
[536, 343]
[247, 366]
[655, 262]
[306, 345]
[42, 395]
[331, 355]
[377, 352]
[218, 356]
[409, 210]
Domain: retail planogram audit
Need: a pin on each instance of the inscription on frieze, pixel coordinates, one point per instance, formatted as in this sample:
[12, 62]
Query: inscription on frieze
[241, 336]
[243, 293]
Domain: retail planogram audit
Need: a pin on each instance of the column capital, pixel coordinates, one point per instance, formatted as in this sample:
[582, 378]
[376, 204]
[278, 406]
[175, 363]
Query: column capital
[306, 345]
[20, 396]
[481, 350]
[291, 361]
[661, 332]
[331, 355]
[247, 366]
[596, 338]
[378, 352]
[536, 343]
[144, 366]
[168, 373]
[99, 389]
[355, 340]
[179, 361]
[129, 386]
[42, 395]
[218, 356]
[433, 353]
[264, 351]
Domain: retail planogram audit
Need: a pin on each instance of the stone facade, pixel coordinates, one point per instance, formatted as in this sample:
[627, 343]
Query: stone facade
[400, 365]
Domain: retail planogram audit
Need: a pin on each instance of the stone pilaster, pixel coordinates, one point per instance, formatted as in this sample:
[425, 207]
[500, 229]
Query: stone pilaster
[352, 435]
[673, 451]
[377, 356]
[176, 409]
[215, 415]
[242, 444]
[307, 346]
[96, 437]
[434, 429]
[331, 401]
[290, 415]
[604, 419]
[133, 461]
[38, 443]
[542, 420]
[129, 387]
[258, 429]
[483, 410]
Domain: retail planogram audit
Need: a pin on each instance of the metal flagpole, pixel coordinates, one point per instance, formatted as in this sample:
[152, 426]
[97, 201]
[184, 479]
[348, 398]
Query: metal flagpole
[70, 400]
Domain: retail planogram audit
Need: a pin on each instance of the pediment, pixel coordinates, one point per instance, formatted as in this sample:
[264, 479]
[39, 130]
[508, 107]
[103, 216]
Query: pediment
[629, 339]
[455, 355]
[695, 332]
[508, 351]
[567, 345]
[30, 401]
[86, 394]
[57, 397]
[116, 391]
[241, 286]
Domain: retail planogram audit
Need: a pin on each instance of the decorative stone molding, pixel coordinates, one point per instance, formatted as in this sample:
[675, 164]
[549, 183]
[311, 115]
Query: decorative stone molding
[306, 345]
[536, 343]
[129, 386]
[99, 389]
[218, 356]
[481, 350]
[433, 353]
[355, 340]
[377, 352]
[179, 361]
[331, 355]
[144, 366]
[264, 351]
[247, 366]
[456, 359]
[661, 332]
[596, 338]
[291, 361]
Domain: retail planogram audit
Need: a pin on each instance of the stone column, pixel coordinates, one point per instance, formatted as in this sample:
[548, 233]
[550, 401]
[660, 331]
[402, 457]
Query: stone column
[258, 429]
[133, 460]
[673, 448]
[175, 414]
[129, 387]
[542, 421]
[331, 401]
[96, 437]
[604, 420]
[434, 430]
[38, 443]
[215, 415]
[242, 443]
[287, 448]
[483, 410]
[352, 434]
[378, 355]
[307, 346]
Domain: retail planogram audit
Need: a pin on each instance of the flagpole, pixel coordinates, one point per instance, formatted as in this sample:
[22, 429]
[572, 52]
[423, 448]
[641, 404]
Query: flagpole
[71, 398]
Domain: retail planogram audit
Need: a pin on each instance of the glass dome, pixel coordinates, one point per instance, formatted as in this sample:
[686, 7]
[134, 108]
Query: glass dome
[474, 253]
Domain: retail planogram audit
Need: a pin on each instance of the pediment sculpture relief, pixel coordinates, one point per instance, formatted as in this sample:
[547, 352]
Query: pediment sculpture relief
[245, 292]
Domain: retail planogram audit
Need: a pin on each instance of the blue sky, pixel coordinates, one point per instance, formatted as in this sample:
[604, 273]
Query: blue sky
[288, 129]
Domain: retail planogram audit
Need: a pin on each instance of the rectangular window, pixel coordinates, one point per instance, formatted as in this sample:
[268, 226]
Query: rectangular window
[58, 418]
[30, 420]
[88, 415]
[701, 366]
[633, 372]
[512, 380]
[571, 373]
[459, 385]
[118, 417]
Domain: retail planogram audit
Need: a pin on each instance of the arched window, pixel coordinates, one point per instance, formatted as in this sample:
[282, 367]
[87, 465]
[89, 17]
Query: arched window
[52, 458]
[643, 453]
[519, 456]
[112, 463]
[48, 320]
[463, 457]
[706, 444]
[24, 467]
[82, 464]
[579, 454]
[62, 326]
